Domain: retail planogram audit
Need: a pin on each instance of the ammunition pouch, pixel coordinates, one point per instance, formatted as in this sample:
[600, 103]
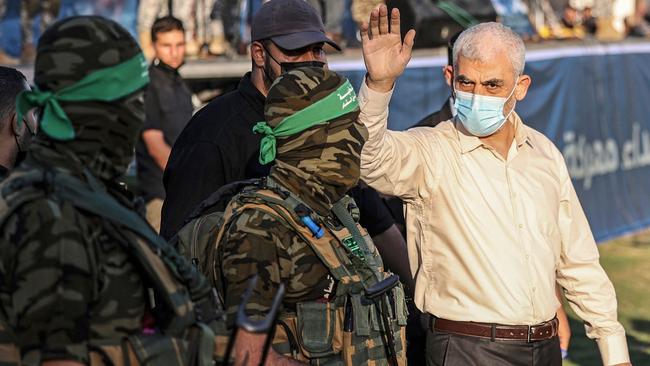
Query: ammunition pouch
[197, 348]
[316, 333]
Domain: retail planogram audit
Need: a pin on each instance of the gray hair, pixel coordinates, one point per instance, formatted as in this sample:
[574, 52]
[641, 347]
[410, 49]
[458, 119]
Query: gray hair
[482, 41]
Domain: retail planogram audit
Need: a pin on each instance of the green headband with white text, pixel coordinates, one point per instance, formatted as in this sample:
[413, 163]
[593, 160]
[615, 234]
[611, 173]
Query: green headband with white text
[104, 85]
[338, 103]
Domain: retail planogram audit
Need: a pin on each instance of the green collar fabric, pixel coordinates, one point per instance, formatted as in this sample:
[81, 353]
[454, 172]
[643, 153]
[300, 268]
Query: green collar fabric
[103, 85]
[340, 102]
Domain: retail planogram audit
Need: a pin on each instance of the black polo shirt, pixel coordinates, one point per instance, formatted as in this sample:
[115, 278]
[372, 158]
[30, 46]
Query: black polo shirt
[218, 147]
[168, 108]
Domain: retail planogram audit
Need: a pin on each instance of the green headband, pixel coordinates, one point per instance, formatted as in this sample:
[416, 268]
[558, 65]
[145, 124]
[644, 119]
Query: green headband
[103, 85]
[342, 101]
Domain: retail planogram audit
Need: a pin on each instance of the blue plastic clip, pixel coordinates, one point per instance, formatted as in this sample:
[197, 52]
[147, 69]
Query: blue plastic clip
[313, 227]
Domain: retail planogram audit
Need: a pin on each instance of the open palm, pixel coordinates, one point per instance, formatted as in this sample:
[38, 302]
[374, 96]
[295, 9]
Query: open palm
[384, 53]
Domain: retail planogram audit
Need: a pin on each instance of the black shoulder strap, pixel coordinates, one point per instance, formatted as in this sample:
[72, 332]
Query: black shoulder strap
[220, 198]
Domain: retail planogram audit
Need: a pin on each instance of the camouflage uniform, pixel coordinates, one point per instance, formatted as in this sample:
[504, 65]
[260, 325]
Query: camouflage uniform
[67, 283]
[317, 166]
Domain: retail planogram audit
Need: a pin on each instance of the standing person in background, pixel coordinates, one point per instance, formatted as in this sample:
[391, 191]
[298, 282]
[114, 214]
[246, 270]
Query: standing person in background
[332, 13]
[168, 106]
[361, 8]
[588, 21]
[48, 9]
[15, 135]
[150, 10]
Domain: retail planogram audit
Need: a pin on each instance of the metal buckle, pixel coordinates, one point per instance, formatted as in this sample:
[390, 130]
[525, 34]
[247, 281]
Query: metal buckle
[530, 331]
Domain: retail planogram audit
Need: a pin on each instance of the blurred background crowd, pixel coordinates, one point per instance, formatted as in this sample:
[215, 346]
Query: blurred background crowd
[221, 28]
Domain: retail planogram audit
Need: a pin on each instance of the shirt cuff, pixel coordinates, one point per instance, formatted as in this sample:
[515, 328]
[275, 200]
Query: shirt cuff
[371, 102]
[613, 349]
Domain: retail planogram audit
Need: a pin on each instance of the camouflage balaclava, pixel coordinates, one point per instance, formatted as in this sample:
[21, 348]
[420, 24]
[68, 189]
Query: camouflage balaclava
[90, 76]
[312, 131]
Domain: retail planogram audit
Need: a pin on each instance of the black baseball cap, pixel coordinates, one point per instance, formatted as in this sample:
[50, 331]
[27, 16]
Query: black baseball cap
[290, 24]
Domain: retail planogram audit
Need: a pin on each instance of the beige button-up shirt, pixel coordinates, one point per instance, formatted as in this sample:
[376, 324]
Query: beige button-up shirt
[488, 238]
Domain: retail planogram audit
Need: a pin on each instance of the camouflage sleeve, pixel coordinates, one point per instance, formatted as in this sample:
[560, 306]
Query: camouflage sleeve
[254, 244]
[47, 280]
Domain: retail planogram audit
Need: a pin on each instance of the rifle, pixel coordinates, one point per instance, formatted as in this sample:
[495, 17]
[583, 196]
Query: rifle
[378, 294]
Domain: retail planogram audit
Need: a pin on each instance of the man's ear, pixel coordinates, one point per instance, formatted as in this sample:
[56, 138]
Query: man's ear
[258, 54]
[522, 87]
[448, 72]
[17, 126]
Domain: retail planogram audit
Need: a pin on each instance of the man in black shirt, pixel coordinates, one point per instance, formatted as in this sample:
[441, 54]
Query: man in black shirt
[168, 107]
[218, 145]
[15, 135]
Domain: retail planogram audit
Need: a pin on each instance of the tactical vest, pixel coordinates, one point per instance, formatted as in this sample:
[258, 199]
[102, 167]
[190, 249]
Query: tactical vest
[187, 312]
[344, 331]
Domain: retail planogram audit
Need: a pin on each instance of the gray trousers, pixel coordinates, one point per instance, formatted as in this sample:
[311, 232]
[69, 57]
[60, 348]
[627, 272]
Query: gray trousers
[445, 349]
[332, 12]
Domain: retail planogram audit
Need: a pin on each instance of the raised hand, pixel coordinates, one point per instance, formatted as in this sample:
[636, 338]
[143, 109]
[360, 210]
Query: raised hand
[384, 53]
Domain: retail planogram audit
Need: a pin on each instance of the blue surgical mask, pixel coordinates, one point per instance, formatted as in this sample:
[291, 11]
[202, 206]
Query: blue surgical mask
[481, 115]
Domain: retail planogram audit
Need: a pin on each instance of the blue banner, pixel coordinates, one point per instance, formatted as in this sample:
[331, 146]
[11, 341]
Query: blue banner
[592, 101]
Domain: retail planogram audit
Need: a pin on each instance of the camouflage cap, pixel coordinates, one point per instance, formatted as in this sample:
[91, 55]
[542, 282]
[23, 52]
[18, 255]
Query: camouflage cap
[74, 47]
[106, 132]
[299, 89]
[322, 162]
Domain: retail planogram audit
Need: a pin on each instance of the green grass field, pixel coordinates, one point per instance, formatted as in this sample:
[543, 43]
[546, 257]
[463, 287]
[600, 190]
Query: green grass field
[627, 262]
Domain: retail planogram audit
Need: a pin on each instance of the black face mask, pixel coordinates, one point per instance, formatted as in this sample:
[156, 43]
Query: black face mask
[23, 141]
[285, 67]
[22, 150]
[20, 157]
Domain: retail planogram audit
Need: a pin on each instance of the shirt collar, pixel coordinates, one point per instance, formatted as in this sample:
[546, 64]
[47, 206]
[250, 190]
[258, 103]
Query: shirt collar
[469, 142]
[157, 63]
[252, 95]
